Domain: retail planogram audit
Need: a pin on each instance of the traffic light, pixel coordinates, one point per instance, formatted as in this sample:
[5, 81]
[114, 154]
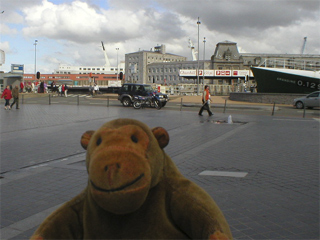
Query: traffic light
[121, 75]
[38, 75]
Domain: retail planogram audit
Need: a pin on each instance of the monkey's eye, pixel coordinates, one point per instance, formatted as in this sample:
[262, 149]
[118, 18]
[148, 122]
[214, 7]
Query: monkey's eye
[99, 141]
[134, 139]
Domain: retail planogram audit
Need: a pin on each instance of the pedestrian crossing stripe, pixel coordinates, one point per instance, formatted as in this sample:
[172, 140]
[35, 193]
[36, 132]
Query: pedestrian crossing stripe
[76, 95]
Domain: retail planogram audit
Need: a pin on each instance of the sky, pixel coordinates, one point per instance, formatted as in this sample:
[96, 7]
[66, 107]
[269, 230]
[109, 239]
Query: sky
[70, 31]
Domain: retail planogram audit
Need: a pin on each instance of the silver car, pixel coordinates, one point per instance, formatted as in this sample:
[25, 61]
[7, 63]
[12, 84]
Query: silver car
[310, 101]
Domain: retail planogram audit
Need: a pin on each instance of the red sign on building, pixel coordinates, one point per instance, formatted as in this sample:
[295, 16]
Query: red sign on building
[223, 73]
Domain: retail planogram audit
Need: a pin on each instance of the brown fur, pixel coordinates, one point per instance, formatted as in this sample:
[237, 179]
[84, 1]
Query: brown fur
[134, 192]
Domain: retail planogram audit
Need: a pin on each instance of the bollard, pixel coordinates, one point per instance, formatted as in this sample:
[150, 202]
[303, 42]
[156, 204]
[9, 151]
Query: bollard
[49, 99]
[225, 106]
[181, 105]
[304, 110]
[78, 100]
[108, 101]
[274, 104]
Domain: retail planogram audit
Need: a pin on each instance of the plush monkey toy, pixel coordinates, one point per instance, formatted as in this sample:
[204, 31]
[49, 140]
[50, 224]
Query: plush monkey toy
[134, 191]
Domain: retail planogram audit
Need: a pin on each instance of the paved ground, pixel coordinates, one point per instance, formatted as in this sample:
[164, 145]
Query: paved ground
[268, 167]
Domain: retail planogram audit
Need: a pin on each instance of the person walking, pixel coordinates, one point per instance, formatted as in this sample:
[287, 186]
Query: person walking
[62, 90]
[59, 90]
[41, 87]
[15, 95]
[7, 95]
[206, 98]
[65, 90]
[95, 89]
[21, 86]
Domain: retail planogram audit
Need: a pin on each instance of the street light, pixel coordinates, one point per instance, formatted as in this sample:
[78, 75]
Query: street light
[204, 53]
[198, 59]
[117, 64]
[35, 59]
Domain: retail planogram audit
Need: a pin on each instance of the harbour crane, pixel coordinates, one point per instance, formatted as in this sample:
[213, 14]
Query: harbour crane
[105, 56]
[304, 45]
[193, 51]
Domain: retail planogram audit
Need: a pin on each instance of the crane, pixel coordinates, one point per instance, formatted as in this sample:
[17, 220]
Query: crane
[304, 45]
[105, 56]
[193, 51]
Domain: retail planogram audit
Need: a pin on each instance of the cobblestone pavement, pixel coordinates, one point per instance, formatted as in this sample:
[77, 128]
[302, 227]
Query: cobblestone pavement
[262, 171]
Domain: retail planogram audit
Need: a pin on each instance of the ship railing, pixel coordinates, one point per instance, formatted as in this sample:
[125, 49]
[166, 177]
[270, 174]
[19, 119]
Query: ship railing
[291, 64]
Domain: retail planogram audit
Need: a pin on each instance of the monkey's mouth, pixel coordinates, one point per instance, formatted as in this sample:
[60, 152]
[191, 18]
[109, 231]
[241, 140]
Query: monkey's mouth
[119, 188]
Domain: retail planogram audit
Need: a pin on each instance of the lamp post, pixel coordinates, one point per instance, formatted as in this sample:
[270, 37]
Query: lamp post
[117, 64]
[204, 53]
[198, 59]
[35, 59]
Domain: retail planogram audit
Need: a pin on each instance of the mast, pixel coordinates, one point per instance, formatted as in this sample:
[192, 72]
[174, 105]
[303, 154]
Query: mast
[304, 45]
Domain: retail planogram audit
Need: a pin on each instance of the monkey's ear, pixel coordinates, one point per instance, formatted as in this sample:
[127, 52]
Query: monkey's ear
[161, 135]
[85, 138]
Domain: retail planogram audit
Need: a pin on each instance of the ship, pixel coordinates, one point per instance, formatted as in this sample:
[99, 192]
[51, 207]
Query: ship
[285, 80]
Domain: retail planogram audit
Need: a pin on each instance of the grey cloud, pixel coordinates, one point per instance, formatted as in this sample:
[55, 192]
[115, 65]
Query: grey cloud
[238, 15]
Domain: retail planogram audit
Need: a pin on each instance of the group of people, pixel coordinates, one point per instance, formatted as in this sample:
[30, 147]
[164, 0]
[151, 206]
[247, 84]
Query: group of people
[7, 94]
[94, 90]
[61, 89]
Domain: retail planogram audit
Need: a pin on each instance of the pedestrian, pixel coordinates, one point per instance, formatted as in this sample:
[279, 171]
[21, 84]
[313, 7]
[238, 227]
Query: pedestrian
[206, 98]
[7, 95]
[65, 90]
[53, 88]
[91, 90]
[15, 95]
[96, 89]
[21, 86]
[45, 87]
[41, 87]
[60, 90]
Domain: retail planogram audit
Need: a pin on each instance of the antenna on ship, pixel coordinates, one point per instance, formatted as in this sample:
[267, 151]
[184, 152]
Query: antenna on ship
[304, 45]
[105, 56]
[193, 51]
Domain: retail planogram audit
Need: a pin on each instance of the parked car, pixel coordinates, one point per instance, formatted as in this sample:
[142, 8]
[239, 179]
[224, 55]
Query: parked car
[129, 90]
[310, 101]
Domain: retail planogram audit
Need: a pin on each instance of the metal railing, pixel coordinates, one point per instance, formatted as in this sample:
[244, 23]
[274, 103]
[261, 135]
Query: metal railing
[291, 64]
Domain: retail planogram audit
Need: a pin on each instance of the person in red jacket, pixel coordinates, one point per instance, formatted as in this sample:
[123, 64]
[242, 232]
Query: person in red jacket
[7, 95]
[21, 86]
[206, 101]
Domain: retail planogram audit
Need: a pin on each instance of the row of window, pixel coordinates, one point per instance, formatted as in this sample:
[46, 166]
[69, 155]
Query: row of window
[98, 69]
[83, 73]
[160, 59]
[67, 77]
[161, 70]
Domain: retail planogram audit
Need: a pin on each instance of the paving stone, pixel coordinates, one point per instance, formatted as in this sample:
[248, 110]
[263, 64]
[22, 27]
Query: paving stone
[277, 199]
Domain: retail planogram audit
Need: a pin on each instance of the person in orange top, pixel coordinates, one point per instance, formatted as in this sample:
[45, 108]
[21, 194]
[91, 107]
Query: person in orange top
[7, 95]
[206, 101]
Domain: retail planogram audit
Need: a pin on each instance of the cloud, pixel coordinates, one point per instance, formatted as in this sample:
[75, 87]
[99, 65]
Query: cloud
[5, 29]
[5, 46]
[235, 15]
